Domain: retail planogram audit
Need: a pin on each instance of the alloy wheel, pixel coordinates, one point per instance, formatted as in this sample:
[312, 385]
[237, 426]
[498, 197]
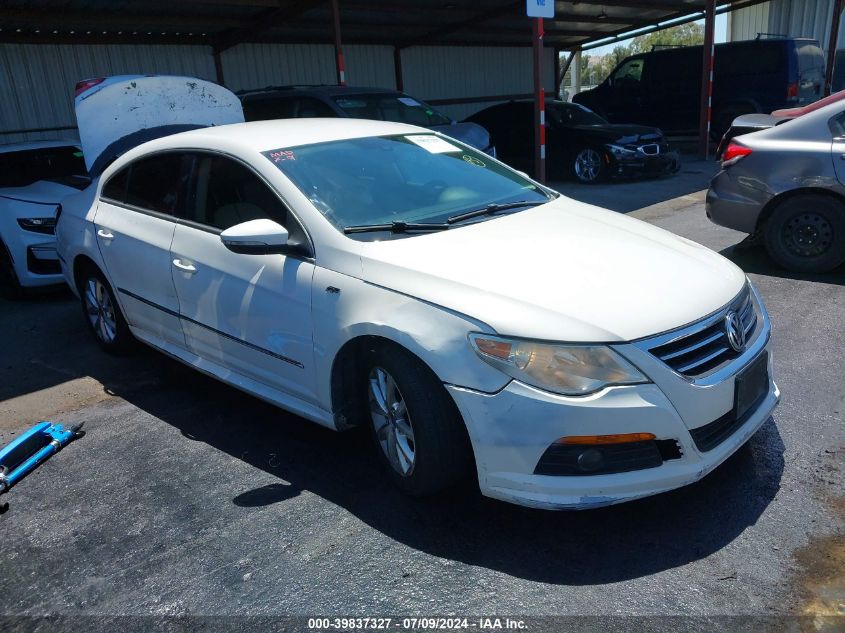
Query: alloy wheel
[391, 421]
[588, 165]
[100, 310]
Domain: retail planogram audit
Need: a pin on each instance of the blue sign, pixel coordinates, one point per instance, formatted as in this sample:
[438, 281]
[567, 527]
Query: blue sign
[540, 8]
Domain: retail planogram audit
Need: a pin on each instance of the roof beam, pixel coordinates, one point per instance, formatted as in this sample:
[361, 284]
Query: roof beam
[677, 7]
[97, 19]
[263, 22]
[477, 18]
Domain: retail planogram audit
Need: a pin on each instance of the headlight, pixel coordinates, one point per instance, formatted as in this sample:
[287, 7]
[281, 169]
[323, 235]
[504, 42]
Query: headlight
[38, 225]
[571, 370]
[621, 152]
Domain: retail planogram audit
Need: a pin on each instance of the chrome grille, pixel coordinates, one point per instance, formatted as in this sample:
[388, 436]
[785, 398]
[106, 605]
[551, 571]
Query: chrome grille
[697, 351]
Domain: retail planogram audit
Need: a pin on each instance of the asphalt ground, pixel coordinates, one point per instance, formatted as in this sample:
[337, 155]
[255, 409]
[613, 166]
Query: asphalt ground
[189, 498]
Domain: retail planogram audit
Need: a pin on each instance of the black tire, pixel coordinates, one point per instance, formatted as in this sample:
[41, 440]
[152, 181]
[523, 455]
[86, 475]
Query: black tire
[588, 165]
[92, 282]
[441, 451]
[806, 233]
[10, 287]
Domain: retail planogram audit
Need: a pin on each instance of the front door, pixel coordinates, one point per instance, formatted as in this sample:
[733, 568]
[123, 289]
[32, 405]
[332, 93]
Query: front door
[248, 313]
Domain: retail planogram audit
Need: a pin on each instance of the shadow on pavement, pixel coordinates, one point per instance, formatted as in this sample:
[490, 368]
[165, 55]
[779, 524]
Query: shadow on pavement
[754, 259]
[574, 548]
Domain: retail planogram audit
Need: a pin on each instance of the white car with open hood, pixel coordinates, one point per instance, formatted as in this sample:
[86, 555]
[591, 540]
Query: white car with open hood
[363, 272]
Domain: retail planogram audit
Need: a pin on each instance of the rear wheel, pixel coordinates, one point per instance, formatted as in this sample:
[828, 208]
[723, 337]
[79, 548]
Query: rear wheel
[807, 233]
[102, 313]
[417, 428]
[589, 166]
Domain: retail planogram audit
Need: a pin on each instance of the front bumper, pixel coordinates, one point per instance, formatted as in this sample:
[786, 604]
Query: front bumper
[642, 165]
[35, 260]
[732, 204]
[512, 429]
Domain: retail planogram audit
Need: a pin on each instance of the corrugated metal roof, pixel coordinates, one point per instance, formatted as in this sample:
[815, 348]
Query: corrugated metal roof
[400, 23]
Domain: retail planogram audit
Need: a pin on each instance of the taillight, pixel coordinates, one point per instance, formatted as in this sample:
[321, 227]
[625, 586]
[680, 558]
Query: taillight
[792, 92]
[733, 152]
[85, 84]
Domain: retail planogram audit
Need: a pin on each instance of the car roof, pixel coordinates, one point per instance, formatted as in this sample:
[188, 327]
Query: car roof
[30, 145]
[322, 90]
[262, 136]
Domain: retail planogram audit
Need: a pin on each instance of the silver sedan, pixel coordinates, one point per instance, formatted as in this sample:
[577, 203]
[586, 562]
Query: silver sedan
[785, 186]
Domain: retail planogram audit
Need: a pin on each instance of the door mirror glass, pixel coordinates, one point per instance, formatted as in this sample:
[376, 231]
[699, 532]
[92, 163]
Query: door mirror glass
[256, 237]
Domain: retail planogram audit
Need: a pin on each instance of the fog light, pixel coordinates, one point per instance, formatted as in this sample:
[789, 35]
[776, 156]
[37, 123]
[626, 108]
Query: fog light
[590, 460]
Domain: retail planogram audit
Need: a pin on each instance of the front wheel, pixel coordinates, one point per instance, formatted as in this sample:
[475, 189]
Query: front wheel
[102, 314]
[10, 287]
[589, 166]
[417, 428]
[807, 233]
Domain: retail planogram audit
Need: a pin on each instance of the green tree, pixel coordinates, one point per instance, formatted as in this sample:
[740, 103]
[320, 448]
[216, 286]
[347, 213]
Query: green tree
[682, 35]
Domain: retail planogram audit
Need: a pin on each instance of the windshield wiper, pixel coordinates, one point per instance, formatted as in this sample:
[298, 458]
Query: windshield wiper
[490, 209]
[396, 227]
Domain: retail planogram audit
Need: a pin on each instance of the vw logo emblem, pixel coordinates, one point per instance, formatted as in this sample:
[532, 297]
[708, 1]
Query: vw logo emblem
[735, 331]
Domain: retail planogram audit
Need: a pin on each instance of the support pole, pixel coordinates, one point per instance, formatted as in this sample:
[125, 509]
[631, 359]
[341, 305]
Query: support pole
[576, 74]
[831, 46]
[218, 67]
[338, 45]
[707, 78]
[540, 104]
[397, 68]
[558, 76]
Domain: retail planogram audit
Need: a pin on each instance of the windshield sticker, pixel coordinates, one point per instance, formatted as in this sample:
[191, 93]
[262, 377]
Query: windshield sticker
[472, 160]
[409, 102]
[279, 155]
[433, 144]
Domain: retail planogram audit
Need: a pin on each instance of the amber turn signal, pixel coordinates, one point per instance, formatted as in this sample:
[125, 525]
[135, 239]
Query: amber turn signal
[622, 438]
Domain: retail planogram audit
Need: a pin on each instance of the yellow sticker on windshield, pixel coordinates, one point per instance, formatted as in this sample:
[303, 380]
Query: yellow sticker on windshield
[472, 160]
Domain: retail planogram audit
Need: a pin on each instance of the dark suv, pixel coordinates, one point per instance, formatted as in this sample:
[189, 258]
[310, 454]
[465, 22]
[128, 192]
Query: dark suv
[663, 88]
[290, 102]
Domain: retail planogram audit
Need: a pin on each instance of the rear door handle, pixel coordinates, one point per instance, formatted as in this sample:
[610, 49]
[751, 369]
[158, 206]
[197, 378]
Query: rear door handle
[106, 235]
[186, 266]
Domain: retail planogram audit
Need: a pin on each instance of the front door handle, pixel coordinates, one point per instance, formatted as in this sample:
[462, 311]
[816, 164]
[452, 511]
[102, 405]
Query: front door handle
[842, 157]
[186, 266]
[105, 234]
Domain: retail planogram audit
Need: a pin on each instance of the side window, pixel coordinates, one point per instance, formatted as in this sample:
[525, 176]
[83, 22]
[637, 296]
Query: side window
[158, 183]
[115, 188]
[268, 108]
[228, 193]
[629, 73]
[837, 126]
[308, 107]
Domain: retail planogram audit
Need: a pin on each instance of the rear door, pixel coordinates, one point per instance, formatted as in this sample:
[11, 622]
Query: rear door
[248, 313]
[134, 225]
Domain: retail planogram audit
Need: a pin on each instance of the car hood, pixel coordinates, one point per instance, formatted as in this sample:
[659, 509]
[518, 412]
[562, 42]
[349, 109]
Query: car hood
[621, 133]
[41, 192]
[469, 133]
[564, 271]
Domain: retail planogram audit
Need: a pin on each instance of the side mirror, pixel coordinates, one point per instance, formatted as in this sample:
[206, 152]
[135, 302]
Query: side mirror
[256, 237]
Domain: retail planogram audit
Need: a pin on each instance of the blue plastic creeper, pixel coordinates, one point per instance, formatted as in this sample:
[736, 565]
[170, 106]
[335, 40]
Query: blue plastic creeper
[30, 450]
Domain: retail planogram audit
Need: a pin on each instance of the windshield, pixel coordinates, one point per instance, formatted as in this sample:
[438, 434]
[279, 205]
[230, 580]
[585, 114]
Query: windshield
[391, 107]
[416, 178]
[569, 114]
[57, 164]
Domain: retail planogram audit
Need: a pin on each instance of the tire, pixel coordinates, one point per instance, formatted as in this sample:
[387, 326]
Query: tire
[10, 286]
[423, 444]
[102, 313]
[588, 166]
[807, 233]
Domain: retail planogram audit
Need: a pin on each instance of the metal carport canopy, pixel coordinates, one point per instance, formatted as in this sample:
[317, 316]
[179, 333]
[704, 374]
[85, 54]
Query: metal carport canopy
[223, 24]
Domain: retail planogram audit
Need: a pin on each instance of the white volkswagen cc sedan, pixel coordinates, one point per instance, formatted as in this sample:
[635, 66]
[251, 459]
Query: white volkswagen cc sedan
[380, 274]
